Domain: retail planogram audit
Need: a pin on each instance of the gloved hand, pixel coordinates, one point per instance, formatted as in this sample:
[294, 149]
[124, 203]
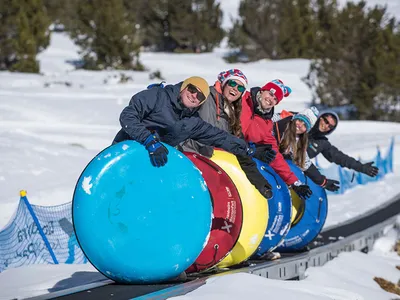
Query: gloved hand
[237, 146]
[369, 169]
[157, 151]
[331, 185]
[265, 153]
[302, 190]
[288, 156]
[251, 149]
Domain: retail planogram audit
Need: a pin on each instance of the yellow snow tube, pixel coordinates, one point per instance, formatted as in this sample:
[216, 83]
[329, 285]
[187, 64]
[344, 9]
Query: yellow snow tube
[297, 208]
[255, 211]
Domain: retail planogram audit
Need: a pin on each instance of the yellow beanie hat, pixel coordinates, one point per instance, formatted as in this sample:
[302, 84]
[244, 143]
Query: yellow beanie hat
[198, 82]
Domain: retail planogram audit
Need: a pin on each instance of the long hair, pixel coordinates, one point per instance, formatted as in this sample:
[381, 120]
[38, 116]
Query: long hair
[235, 109]
[297, 148]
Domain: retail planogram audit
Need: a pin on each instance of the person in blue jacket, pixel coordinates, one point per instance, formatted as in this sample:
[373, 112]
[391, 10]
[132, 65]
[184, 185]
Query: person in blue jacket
[170, 114]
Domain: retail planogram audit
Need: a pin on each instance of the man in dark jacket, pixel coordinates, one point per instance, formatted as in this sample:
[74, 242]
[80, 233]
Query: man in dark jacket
[319, 143]
[169, 114]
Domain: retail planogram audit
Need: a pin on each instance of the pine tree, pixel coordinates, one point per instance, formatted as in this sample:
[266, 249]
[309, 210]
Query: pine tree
[327, 27]
[360, 70]
[24, 33]
[106, 35]
[181, 25]
[156, 21]
[275, 29]
[296, 29]
[207, 31]
[256, 33]
[25, 46]
[62, 12]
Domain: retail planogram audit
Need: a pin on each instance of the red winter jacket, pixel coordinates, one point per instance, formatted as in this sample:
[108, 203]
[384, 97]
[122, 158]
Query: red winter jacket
[258, 128]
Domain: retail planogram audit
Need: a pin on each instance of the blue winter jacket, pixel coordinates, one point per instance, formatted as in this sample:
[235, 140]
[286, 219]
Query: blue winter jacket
[159, 109]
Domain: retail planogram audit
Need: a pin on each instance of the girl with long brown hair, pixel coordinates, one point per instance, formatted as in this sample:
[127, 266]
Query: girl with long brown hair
[292, 135]
[291, 132]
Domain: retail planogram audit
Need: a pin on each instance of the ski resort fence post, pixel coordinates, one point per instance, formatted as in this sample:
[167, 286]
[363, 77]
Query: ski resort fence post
[39, 227]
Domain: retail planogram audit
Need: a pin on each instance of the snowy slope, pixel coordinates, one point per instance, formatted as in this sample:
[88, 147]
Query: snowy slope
[49, 131]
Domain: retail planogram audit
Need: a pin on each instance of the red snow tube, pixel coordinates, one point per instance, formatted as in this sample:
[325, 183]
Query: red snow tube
[227, 214]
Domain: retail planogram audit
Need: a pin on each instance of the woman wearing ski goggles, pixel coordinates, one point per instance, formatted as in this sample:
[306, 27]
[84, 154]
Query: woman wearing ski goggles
[223, 109]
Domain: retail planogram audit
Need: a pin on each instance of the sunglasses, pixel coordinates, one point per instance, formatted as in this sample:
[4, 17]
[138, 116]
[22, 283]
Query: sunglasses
[192, 89]
[233, 83]
[326, 121]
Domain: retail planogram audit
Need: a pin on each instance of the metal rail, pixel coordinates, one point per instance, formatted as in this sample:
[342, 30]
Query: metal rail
[358, 234]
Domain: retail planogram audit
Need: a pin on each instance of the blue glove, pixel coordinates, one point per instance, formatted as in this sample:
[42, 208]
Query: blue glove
[161, 84]
[251, 149]
[157, 151]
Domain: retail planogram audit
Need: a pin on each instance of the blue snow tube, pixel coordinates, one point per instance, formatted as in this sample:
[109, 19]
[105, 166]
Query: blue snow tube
[280, 211]
[311, 217]
[137, 223]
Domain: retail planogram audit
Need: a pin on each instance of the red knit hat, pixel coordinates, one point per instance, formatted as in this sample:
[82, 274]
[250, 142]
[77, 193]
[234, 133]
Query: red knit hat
[277, 88]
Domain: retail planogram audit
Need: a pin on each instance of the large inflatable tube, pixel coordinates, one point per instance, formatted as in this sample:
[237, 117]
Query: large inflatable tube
[280, 211]
[137, 223]
[255, 211]
[227, 214]
[310, 215]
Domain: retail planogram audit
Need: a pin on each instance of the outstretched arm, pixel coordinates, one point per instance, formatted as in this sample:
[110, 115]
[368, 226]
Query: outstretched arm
[203, 132]
[334, 155]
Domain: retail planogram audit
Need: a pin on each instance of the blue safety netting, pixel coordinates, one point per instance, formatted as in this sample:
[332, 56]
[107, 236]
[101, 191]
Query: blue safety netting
[350, 178]
[24, 242]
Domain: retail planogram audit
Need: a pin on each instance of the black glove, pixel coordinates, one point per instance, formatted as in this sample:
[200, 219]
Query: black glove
[369, 169]
[265, 153]
[157, 151]
[288, 156]
[303, 191]
[331, 185]
[238, 146]
[266, 191]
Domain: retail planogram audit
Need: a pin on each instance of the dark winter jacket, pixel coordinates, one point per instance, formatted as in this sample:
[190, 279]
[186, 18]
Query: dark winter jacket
[310, 169]
[160, 110]
[212, 111]
[319, 143]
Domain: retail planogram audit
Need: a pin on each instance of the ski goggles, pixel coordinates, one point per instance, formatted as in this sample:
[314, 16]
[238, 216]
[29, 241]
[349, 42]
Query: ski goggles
[193, 89]
[233, 83]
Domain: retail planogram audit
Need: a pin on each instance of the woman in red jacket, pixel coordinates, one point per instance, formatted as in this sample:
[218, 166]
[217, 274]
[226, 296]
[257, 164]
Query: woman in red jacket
[257, 126]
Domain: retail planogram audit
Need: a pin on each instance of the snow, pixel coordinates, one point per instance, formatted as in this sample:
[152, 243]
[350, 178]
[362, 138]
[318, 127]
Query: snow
[86, 185]
[52, 124]
[26, 282]
[349, 276]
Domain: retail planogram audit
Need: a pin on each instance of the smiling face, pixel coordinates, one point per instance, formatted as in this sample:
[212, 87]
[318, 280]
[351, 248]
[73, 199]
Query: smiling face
[231, 92]
[268, 100]
[326, 123]
[300, 127]
[189, 97]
